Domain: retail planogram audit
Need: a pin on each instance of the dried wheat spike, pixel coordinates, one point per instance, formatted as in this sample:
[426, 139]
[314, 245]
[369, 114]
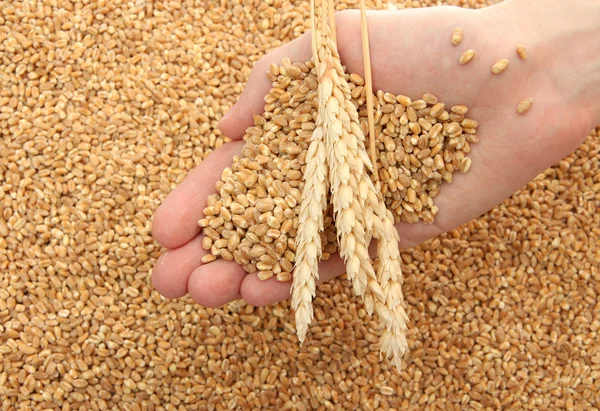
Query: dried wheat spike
[389, 276]
[347, 151]
[314, 202]
[346, 165]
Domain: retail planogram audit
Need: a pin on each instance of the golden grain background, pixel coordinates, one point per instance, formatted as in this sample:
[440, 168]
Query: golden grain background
[106, 105]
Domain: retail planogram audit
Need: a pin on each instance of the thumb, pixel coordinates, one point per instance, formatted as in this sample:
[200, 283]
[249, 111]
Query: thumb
[235, 122]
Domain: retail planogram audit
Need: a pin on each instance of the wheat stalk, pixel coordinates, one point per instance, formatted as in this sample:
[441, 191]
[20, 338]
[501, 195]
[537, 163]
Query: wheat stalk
[312, 206]
[368, 86]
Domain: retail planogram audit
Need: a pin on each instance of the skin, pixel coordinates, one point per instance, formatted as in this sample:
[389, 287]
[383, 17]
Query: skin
[411, 54]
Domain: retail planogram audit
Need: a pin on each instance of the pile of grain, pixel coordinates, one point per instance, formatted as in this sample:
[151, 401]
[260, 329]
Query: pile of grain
[253, 217]
[105, 106]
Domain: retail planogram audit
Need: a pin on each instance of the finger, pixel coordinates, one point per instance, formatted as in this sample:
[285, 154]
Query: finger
[172, 270]
[239, 117]
[215, 284]
[176, 220]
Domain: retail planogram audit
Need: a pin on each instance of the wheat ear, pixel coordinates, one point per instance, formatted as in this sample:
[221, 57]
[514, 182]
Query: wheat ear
[347, 172]
[389, 275]
[383, 292]
[380, 223]
[314, 201]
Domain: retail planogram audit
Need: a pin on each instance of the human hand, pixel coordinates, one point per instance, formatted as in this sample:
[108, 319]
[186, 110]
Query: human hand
[411, 54]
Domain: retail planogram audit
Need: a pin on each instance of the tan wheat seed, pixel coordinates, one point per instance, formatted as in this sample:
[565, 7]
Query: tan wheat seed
[457, 36]
[466, 56]
[522, 52]
[500, 66]
[525, 105]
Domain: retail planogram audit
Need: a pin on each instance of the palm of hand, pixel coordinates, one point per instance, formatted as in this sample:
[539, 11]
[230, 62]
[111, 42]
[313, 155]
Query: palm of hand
[409, 50]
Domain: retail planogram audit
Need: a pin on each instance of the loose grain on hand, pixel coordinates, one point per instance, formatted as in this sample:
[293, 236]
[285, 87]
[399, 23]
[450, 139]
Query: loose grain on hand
[457, 36]
[522, 52]
[466, 56]
[525, 105]
[499, 66]
[417, 153]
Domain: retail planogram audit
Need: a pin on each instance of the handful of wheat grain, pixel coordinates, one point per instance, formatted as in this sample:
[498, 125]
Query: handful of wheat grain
[305, 188]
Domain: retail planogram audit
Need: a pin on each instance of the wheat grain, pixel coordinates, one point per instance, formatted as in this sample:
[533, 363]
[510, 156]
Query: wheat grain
[208, 258]
[459, 109]
[522, 52]
[404, 100]
[430, 98]
[466, 56]
[525, 105]
[457, 36]
[499, 66]
[410, 167]
[469, 123]
[465, 165]
[437, 109]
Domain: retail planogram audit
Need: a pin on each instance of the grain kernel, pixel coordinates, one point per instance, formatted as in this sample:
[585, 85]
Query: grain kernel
[459, 109]
[466, 56]
[356, 79]
[469, 123]
[404, 100]
[430, 98]
[265, 275]
[499, 66]
[386, 391]
[208, 258]
[465, 165]
[457, 36]
[522, 52]
[525, 105]
[437, 109]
